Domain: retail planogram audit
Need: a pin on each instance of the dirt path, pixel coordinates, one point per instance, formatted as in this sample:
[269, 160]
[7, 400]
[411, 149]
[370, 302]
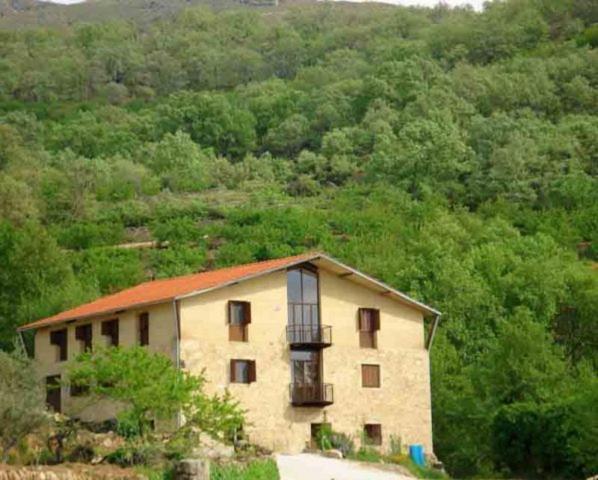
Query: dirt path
[306, 466]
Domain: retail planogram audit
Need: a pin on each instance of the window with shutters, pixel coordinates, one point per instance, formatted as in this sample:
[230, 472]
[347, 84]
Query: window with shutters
[53, 396]
[143, 329]
[58, 338]
[110, 331]
[369, 324]
[84, 336]
[242, 371]
[239, 317]
[373, 433]
[370, 376]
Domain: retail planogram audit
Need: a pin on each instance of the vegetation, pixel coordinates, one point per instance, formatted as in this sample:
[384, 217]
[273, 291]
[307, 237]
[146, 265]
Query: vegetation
[255, 470]
[22, 407]
[450, 153]
[150, 391]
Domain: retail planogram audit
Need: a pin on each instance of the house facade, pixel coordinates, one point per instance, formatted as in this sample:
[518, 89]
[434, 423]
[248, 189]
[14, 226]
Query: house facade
[300, 341]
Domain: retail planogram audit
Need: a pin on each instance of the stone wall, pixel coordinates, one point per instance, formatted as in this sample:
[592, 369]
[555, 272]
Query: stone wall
[68, 472]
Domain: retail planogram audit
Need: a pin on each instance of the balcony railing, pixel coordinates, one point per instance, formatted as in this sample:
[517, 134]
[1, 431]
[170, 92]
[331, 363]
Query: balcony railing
[311, 394]
[309, 336]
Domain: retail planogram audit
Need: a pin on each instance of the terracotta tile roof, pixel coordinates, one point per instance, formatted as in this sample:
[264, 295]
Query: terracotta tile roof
[158, 291]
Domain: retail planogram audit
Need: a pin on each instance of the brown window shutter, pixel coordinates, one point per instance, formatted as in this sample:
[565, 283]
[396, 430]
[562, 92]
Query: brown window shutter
[144, 328]
[252, 376]
[247, 312]
[361, 319]
[370, 376]
[230, 312]
[233, 377]
[376, 319]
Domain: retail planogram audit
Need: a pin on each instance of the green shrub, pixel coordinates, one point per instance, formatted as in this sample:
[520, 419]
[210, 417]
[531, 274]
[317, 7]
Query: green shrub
[256, 470]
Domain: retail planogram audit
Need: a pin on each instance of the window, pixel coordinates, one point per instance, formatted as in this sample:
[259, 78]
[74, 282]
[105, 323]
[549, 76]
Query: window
[143, 328]
[83, 335]
[59, 339]
[370, 376]
[239, 316]
[79, 390]
[110, 331]
[373, 433]
[242, 371]
[302, 297]
[369, 324]
[53, 393]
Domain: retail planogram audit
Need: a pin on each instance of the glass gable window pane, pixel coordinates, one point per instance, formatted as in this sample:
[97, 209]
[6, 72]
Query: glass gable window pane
[294, 286]
[310, 287]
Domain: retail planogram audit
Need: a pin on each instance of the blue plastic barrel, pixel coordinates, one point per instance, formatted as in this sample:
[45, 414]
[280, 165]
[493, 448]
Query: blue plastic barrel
[416, 452]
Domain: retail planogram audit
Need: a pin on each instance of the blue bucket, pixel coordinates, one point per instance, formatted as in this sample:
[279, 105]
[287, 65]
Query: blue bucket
[416, 452]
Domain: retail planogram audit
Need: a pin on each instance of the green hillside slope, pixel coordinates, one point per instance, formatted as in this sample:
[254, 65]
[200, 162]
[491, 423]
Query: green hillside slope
[450, 153]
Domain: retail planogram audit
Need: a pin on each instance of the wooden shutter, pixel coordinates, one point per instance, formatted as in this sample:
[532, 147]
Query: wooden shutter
[246, 313]
[252, 376]
[144, 328]
[233, 370]
[376, 319]
[370, 376]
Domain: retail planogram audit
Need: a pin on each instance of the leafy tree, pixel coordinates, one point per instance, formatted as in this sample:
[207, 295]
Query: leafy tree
[149, 388]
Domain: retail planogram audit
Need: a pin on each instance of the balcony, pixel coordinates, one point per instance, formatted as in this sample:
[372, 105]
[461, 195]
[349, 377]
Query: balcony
[302, 337]
[311, 394]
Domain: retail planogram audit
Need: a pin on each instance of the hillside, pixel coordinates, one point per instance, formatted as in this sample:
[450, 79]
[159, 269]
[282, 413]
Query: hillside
[450, 153]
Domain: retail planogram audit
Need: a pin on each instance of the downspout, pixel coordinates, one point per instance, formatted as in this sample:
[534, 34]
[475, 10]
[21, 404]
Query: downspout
[177, 347]
[432, 332]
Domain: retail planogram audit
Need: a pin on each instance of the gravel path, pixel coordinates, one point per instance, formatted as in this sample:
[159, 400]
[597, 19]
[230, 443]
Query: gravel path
[306, 466]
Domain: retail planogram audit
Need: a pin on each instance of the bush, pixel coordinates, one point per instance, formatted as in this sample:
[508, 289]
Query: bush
[256, 470]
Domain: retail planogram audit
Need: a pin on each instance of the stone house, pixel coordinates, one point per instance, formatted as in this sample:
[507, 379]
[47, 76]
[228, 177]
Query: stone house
[299, 341]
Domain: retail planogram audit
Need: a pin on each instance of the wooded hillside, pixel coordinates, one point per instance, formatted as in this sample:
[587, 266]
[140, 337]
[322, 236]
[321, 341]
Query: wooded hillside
[450, 153]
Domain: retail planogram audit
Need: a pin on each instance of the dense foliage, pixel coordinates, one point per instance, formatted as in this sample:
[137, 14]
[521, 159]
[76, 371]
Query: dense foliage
[450, 153]
[22, 407]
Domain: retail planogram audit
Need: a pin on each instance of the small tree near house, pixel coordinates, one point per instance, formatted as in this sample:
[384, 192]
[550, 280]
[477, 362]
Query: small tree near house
[22, 401]
[149, 388]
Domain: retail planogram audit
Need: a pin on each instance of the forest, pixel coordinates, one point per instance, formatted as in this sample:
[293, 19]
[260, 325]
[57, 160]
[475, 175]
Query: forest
[450, 153]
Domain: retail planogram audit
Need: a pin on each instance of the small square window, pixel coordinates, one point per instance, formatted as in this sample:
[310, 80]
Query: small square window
[53, 393]
[110, 331]
[373, 433]
[370, 376]
[83, 333]
[369, 324]
[239, 316]
[59, 339]
[242, 371]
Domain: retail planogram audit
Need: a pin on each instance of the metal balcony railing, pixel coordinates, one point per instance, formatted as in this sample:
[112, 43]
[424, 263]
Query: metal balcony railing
[311, 394]
[309, 336]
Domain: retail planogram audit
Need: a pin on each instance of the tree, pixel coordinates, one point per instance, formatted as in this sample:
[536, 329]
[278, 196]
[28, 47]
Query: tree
[22, 401]
[150, 388]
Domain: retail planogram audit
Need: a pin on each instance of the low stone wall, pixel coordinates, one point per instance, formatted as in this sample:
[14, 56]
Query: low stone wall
[68, 472]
